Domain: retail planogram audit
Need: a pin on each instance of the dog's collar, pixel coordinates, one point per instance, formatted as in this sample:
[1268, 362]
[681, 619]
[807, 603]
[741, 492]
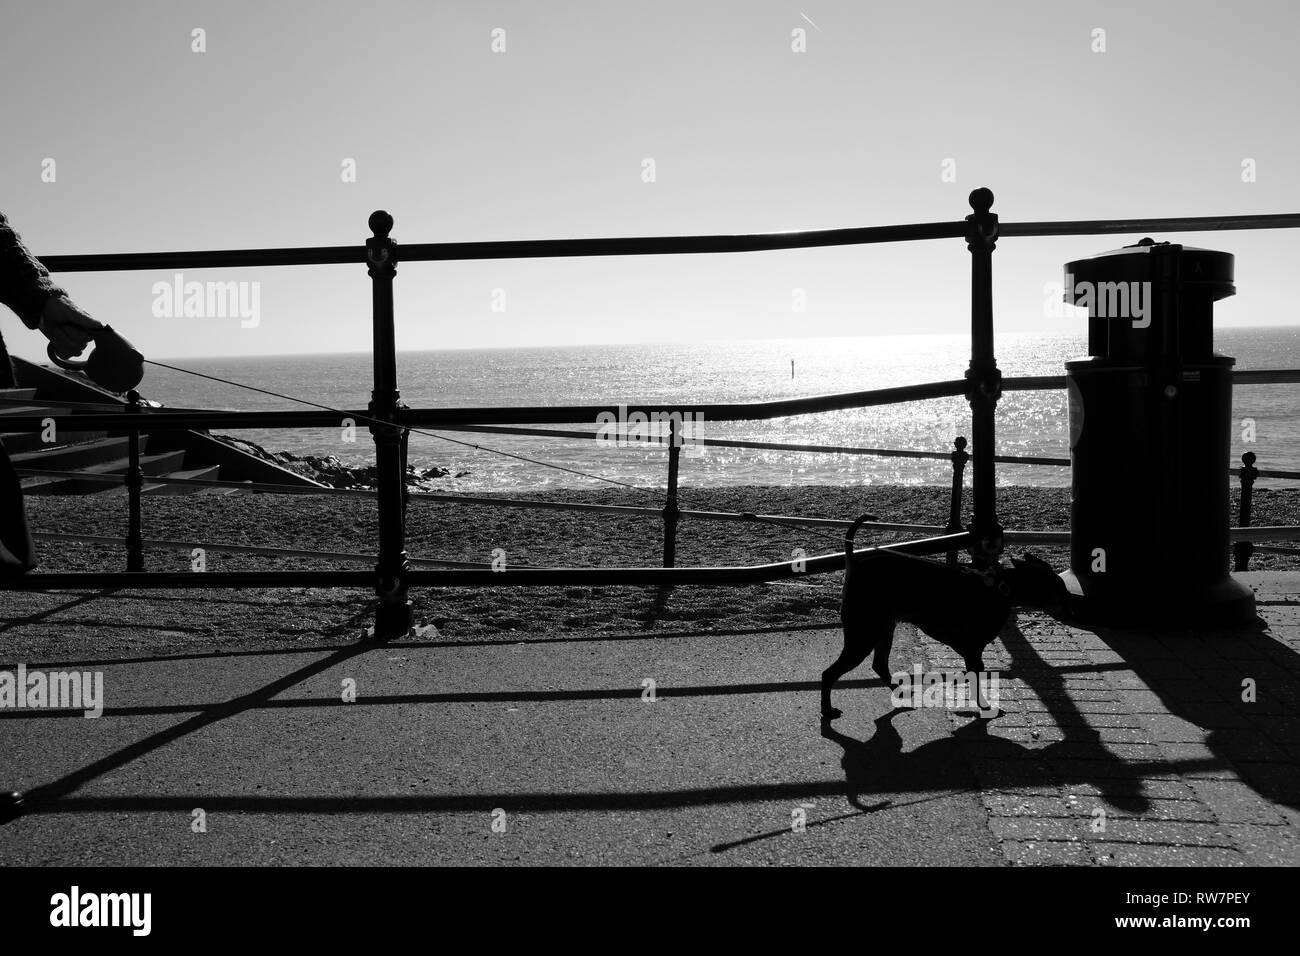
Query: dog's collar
[990, 579]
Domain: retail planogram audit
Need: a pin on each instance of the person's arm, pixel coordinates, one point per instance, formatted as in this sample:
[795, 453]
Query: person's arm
[25, 284]
[27, 289]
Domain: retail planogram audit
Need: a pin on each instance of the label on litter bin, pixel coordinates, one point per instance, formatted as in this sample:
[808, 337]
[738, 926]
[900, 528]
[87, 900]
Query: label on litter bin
[1076, 412]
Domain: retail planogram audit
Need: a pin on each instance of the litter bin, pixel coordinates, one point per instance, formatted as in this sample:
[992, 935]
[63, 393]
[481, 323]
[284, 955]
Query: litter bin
[1150, 426]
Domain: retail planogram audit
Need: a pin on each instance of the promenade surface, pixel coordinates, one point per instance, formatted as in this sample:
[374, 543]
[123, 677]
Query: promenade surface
[1114, 748]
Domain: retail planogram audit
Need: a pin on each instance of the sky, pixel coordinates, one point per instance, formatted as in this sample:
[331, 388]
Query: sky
[890, 113]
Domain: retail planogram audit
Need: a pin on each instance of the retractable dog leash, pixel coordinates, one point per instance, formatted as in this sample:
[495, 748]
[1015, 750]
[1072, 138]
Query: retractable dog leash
[118, 366]
[114, 364]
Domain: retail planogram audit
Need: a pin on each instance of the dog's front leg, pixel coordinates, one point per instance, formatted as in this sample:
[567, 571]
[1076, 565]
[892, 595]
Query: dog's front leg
[880, 663]
[975, 674]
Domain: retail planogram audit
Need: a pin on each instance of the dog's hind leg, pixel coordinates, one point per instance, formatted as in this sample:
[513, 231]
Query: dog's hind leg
[975, 672]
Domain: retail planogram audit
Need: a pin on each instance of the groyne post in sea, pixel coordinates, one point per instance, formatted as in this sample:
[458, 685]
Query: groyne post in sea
[671, 512]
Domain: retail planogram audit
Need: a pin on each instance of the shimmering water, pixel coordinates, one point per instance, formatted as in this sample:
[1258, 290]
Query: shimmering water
[1029, 423]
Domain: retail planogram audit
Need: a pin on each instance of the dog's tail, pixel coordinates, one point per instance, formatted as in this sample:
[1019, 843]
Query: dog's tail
[849, 535]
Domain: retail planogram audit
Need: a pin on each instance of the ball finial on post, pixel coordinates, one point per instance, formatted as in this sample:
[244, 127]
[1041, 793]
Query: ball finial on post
[381, 223]
[981, 200]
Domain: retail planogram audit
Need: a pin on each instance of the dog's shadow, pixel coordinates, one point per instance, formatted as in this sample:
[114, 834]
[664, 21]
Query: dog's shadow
[877, 766]
[973, 759]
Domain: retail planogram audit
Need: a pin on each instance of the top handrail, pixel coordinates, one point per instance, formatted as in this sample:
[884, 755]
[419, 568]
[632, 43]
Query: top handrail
[1099, 227]
[508, 249]
[644, 245]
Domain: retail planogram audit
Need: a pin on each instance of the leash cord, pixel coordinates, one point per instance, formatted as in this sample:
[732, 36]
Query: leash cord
[495, 451]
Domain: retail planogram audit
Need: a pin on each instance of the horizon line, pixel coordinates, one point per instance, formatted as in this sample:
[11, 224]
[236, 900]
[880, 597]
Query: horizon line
[1074, 333]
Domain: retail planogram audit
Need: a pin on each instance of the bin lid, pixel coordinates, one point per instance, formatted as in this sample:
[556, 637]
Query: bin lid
[1204, 273]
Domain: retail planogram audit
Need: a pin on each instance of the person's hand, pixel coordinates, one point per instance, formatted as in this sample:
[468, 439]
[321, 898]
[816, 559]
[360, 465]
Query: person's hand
[67, 326]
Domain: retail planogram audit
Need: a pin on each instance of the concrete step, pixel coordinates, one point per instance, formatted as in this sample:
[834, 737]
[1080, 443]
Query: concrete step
[160, 464]
[206, 473]
[222, 491]
[42, 410]
[16, 442]
[77, 457]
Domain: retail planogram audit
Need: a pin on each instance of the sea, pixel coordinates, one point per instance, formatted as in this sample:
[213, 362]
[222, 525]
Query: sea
[1028, 423]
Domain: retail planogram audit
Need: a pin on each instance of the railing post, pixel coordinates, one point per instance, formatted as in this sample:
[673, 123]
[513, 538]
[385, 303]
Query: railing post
[671, 511]
[983, 380]
[1242, 550]
[959, 459]
[134, 487]
[393, 608]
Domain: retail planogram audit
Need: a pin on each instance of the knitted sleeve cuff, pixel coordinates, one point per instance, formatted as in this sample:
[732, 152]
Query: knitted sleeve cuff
[32, 305]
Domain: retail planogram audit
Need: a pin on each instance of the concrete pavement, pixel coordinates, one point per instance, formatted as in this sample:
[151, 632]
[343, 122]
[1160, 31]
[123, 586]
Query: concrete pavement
[1114, 748]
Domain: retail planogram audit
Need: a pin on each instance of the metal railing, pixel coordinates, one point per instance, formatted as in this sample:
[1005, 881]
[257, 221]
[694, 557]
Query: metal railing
[389, 420]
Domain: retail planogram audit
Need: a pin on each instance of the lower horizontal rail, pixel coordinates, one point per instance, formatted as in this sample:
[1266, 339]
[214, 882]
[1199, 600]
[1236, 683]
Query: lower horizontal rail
[491, 502]
[1261, 533]
[517, 577]
[1036, 537]
[157, 480]
[541, 577]
[222, 548]
[175, 580]
[655, 439]
[1266, 533]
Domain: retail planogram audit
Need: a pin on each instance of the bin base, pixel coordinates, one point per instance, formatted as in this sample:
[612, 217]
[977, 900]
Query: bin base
[1229, 603]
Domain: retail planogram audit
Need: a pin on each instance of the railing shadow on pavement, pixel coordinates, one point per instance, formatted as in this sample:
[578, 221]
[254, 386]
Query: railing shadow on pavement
[873, 766]
[513, 641]
[1199, 680]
